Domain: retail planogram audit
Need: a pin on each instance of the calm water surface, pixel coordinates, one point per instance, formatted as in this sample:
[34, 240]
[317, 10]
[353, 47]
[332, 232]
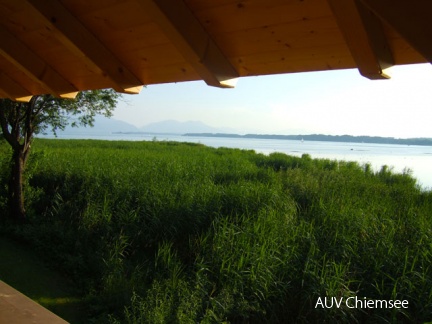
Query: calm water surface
[416, 158]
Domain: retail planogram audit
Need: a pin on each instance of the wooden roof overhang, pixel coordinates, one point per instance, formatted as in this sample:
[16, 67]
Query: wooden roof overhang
[64, 46]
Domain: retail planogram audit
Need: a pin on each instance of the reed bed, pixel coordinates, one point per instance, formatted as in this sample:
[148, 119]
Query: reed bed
[164, 232]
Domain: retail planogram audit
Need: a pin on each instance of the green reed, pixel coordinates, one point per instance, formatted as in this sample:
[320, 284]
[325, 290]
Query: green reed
[162, 232]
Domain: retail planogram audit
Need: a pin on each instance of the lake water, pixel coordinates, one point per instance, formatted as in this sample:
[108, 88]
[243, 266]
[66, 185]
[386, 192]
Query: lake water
[416, 158]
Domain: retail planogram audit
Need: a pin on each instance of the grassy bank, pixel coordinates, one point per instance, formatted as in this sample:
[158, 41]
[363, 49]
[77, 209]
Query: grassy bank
[162, 232]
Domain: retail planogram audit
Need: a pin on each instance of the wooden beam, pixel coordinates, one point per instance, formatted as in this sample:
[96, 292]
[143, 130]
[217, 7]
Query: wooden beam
[411, 19]
[192, 40]
[364, 35]
[33, 66]
[12, 90]
[79, 40]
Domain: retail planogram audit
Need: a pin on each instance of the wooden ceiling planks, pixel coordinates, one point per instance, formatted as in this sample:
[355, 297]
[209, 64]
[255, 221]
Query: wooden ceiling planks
[411, 20]
[134, 39]
[256, 13]
[62, 46]
[25, 60]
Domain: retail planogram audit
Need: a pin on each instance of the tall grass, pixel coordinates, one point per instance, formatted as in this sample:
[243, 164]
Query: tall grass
[160, 232]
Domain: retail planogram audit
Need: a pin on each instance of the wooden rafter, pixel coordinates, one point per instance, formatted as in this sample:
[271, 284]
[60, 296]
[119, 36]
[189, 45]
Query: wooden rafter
[74, 35]
[33, 66]
[411, 19]
[192, 40]
[364, 35]
[12, 89]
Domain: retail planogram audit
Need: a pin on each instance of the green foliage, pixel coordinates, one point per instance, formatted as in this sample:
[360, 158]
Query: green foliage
[46, 112]
[5, 152]
[161, 232]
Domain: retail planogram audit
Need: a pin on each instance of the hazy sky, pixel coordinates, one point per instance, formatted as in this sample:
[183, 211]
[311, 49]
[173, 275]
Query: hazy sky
[332, 102]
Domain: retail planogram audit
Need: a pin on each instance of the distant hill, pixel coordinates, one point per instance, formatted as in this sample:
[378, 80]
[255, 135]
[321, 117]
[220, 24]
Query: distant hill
[177, 127]
[326, 138]
[102, 126]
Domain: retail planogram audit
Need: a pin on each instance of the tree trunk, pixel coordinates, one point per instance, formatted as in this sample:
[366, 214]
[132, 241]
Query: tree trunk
[16, 195]
[16, 122]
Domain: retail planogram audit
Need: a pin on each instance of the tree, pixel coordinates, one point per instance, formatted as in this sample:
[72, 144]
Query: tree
[21, 121]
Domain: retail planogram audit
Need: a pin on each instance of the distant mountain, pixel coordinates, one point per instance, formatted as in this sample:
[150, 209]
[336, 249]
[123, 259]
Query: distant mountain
[177, 127]
[105, 126]
[102, 126]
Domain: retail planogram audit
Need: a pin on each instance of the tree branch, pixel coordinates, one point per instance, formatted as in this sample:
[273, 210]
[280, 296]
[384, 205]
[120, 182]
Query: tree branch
[28, 126]
[4, 126]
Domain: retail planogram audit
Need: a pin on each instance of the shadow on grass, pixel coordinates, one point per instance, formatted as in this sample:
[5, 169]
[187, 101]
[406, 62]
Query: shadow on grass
[22, 269]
